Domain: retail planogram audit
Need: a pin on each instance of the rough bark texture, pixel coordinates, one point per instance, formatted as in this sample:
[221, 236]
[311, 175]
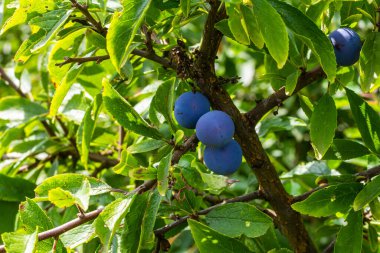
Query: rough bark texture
[289, 221]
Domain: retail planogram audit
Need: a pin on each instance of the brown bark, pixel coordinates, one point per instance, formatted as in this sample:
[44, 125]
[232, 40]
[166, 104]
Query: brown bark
[289, 221]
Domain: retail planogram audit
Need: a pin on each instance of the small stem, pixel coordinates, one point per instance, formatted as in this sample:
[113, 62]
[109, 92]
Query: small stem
[244, 198]
[84, 9]
[8, 80]
[121, 140]
[81, 60]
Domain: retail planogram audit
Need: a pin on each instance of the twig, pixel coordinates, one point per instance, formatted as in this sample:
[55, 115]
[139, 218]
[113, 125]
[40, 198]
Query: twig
[364, 175]
[121, 140]
[154, 57]
[97, 25]
[368, 174]
[330, 247]
[160, 232]
[280, 96]
[8, 80]
[308, 193]
[64, 227]
[83, 218]
[81, 60]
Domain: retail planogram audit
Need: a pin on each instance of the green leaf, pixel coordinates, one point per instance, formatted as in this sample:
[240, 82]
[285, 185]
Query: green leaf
[82, 196]
[185, 7]
[72, 183]
[375, 208]
[370, 191]
[139, 223]
[163, 101]
[108, 222]
[236, 26]
[61, 198]
[208, 240]
[216, 183]
[17, 242]
[87, 128]
[345, 149]
[236, 219]
[24, 51]
[66, 47]
[282, 250]
[369, 61]
[124, 113]
[273, 30]
[224, 28]
[329, 201]
[322, 136]
[145, 146]
[65, 85]
[78, 236]
[367, 120]
[291, 82]
[163, 174]
[310, 34]
[16, 110]
[27, 10]
[31, 217]
[50, 22]
[253, 28]
[15, 189]
[373, 238]
[127, 163]
[123, 28]
[350, 236]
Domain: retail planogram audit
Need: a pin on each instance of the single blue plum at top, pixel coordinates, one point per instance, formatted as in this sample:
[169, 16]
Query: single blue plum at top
[224, 160]
[347, 46]
[215, 129]
[189, 107]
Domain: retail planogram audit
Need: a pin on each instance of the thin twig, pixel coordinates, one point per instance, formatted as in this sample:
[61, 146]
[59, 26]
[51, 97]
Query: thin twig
[244, 198]
[280, 96]
[10, 82]
[81, 60]
[84, 9]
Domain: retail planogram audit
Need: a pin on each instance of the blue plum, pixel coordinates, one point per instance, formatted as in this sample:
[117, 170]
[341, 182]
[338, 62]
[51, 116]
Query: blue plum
[189, 107]
[224, 160]
[347, 46]
[215, 128]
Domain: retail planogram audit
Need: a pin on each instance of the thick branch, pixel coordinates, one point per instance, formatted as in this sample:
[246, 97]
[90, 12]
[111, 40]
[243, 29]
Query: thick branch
[280, 96]
[244, 198]
[289, 221]
[80, 60]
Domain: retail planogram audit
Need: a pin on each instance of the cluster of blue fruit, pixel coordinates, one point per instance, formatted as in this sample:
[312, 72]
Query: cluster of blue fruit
[215, 129]
[347, 46]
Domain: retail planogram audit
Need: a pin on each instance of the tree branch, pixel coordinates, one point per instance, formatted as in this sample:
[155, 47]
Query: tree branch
[64, 227]
[363, 175]
[289, 221]
[81, 60]
[97, 25]
[160, 232]
[15, 87]
[280, 96]
[9, 81]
